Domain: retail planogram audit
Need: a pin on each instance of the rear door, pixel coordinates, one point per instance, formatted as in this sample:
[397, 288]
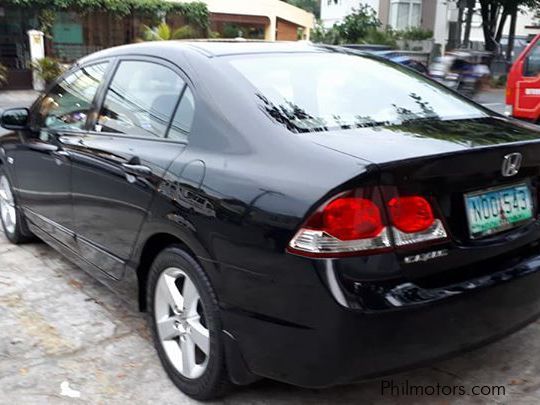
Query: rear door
[121, 161]
[527, 85]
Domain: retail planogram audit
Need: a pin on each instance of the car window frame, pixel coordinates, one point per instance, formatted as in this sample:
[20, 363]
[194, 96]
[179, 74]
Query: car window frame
[102, 93]
[75, 67]
[526, 64]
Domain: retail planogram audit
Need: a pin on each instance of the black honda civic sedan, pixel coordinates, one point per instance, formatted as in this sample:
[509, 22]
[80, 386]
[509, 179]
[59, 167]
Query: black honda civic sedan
[284, 211]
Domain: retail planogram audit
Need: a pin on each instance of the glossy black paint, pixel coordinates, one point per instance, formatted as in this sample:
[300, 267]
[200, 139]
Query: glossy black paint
[237, 191]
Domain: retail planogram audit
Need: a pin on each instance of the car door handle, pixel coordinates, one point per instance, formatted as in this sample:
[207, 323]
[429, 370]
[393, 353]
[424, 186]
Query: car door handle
[61, 153]
[136, 170]
[43, 147]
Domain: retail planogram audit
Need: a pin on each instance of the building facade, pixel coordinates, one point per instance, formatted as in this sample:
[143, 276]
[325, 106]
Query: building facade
[271, 19]
[75, 35]
[398, 14]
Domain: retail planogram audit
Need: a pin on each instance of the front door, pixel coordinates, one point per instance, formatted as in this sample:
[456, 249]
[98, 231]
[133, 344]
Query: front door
[122, 160]
[42, 161]
[527, 103]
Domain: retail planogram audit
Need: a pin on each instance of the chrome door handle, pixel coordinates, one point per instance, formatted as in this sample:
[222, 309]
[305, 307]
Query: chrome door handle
[62, 153]
[136, 170]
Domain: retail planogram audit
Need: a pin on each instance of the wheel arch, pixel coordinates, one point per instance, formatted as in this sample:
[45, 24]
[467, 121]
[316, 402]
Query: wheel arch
[152, 245]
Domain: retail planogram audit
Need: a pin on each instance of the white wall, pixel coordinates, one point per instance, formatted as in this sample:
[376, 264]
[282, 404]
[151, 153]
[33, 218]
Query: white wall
[523, 20]
[333, 11]
[442, 16]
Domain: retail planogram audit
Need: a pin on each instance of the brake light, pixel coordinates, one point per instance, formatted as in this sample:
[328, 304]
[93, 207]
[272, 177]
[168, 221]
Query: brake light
[349, 223]
[354, 223]
[410, 214]
[349, 218]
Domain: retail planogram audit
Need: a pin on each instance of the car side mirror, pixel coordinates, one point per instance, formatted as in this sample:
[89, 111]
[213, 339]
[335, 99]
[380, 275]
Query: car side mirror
[15, 118]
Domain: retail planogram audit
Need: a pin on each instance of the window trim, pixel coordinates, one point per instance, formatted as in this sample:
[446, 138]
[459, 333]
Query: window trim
[393, 19]
[76, 67]
[105, 86]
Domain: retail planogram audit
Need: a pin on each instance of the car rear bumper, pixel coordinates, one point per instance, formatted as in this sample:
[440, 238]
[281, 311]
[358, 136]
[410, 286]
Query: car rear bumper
[349, 345]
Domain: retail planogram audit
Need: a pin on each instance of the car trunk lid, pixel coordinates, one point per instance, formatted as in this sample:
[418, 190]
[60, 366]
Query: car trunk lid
[444, 161]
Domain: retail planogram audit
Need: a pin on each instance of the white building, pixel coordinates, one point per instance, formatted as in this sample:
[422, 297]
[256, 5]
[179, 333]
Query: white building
[334, 11]
[399, 14]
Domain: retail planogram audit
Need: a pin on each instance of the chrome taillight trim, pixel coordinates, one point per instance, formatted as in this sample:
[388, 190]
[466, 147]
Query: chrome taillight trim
[434, 232]
[313, 241]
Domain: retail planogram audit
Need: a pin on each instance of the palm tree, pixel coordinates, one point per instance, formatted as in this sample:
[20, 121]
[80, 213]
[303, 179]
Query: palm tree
[163, 32]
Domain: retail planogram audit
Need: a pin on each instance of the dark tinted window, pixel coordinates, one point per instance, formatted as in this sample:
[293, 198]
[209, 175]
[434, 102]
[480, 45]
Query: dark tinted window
[309, 92]
[140, 100]
[183, 118]
[67, 105]
[532, 65]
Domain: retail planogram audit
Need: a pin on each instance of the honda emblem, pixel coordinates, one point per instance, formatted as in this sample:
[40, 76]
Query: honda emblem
[511, 164]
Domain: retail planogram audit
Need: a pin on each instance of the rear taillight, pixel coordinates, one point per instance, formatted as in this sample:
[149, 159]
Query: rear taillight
[349, 223]
[355, 223]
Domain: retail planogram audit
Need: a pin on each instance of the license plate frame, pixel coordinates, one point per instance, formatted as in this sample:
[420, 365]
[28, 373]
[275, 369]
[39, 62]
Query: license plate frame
[472, 226]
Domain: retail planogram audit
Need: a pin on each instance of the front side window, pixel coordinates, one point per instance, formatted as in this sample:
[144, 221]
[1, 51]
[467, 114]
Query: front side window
[140, 100]
[67, 105]
[325, 91]
[405, 13]
[532, 63]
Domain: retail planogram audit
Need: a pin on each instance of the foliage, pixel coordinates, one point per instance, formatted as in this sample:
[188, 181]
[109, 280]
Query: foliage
[163, 32]
[414, 34]
[185, 32]
[196, 13]
[3, 74]
[381, 37]
[46, 20]
[321, 34]
[233, 31]
[47, 69]
[311, 6]
[358, 24]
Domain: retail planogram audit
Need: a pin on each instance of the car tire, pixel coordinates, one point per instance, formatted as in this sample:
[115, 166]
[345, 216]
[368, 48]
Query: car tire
[11, 216]
[183, 312]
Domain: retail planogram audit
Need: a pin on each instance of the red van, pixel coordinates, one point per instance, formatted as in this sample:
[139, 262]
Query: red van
[523, 86]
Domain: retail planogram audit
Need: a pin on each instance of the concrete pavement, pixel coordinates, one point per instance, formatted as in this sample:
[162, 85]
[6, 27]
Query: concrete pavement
[66, 339]
[493, 99]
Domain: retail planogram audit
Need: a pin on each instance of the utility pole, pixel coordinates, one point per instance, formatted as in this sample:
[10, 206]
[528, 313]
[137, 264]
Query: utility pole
[511, 35]
[461, 9]
[468, 22]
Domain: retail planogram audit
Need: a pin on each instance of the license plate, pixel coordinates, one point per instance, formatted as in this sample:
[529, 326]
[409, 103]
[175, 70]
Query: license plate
[496, 210]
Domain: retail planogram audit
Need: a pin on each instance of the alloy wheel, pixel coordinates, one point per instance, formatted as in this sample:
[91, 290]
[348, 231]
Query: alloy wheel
[181, 324]
[8, 212]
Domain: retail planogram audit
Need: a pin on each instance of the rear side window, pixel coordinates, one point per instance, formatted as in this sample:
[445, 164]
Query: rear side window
[140, 100]
[67, 105]
[183, 118]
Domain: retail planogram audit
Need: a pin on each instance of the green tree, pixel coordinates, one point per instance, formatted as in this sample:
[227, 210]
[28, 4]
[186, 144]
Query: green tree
[312, 6]
[358, 24]
[163, 32]
[494, 15]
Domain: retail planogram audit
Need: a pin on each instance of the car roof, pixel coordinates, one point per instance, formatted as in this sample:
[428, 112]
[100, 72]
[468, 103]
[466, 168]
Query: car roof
[210, 48]
[235, 47]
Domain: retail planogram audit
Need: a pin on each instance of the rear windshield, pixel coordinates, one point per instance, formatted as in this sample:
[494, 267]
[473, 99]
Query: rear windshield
[326, 91]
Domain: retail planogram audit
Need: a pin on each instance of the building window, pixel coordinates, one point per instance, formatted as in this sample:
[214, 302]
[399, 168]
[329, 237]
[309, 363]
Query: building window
[405, 13]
